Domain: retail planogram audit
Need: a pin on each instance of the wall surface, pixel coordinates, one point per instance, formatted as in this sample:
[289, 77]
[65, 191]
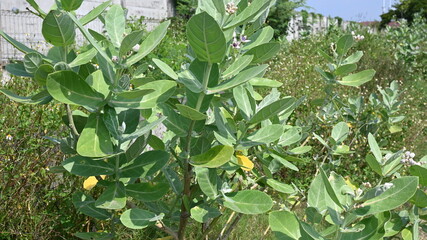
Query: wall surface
[26, 27]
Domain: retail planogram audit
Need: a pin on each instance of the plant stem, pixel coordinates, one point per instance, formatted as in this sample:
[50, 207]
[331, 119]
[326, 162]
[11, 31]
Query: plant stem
[209, 228]
[232, 226]
[188, 176]
[160, 225]
[71, 121]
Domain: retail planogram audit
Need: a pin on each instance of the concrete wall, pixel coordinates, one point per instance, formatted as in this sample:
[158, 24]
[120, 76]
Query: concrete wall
[26, 27]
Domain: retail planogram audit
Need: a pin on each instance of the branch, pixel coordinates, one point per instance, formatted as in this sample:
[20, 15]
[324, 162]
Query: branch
[160, 225]
[71, 121]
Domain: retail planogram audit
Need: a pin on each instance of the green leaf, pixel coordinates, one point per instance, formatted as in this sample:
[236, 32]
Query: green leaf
[421, 172]
[308, 232]
[86, 205]
[20, 46]
[375, 149]
[214, 157]
[354, 58]
[145, 165]
[114, 197]
[329, 188]
[300, 150]
[344, 44]
[130, 41]
[260, 37]
[17, 69]
[208, 181]
[280, 187]
[248, 202]
[369, 226]
[206, 38]
[136, 218]
[420, 199]
[94, 235]
[290, 137]
[243, 101]
[399, 193]
[86, 167]
[153, 39]
[265, 82]
[357, 79]
[374, 164]
[284, 162]
[240, 78]
[32, 61]
[248, 13]
[58, 28]
[156, 143]
[284, 225]
[95, 140]
[203, 213]
[138, 98]
[70, 88]
[40, 98]
[147, 192]
[165, 68]
[111, 121]
[71, 5]
[264, 52]
[340, 132]
[273, 109]
[237, 66]
[42, 73]
[97, 82]
[115, 24]
[37, 8]
[190, 113]
[137, 147]
[266, 134]
[84, 58]
[345, 69]
[94, 13]
[175, 122]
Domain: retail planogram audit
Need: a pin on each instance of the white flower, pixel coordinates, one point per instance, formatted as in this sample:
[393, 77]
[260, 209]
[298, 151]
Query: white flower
[115, 59]
[388, 185]
[136, 48]
[9, 137]
[231, 8]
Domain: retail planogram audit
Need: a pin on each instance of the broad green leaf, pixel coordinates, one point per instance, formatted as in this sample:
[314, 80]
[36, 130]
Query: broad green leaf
[94, 13]
[400, 192]
[284, 225]
[32, 61]
[94, 235]
[136, 218]
[163, 89]
[207, 179]
[115, 24]
[206, 38]
[137, 146]
[40, 98]
[284, 162]
[175, 122]
[111, 121]
[70, 88]
[317, 195]
[95, 140]
[273, 109]
[375, 149]
[290, 137]
[248, 202]
[344, 44]
[267, 134]
[280, 187]
[84, 58]
[370, 226]
[147, 192]
[97, 82]
[86, 204]
[114, 197]
[345, 69]
[308, 232]
[340, 132]
[237, 66]
[18, 45]
[190, 113]
[37, 8]
[260, 37]
[214, 157]
[264, 52]
[421, 172]
[190, 81]
[357, 79]
[145, 165]
[173, 179]
[86, 167]
[420, 199]
[300, 150]
[130, 41]
[265, 82]
[17, 69]
[71, 5]
[42, 73]
[248, 13]
[156, 143]
[203, 213]
[153, 39]
[354, 58]
[165, 68]
[374, 164]
[243, 101]
[240, 78]
[329, 188]
[58, 28]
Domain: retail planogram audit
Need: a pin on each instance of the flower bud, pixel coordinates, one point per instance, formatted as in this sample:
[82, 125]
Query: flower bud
[136, 48]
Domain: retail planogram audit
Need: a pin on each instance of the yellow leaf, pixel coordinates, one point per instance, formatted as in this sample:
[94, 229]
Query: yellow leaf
[350, 183]
[90, 182]
[245, 162]
[349, 125]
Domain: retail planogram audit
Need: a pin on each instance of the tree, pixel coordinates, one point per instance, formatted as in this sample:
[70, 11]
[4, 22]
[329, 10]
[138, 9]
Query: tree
[281, 14]
[406, 9]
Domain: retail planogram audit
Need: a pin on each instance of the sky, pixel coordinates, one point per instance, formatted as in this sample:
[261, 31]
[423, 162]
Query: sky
[354, 10]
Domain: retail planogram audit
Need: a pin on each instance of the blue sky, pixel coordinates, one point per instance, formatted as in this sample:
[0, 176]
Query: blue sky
[355, 10]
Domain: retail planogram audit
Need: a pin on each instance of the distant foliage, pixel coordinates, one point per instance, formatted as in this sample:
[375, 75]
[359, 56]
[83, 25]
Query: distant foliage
[281, 14]
[406, 9]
